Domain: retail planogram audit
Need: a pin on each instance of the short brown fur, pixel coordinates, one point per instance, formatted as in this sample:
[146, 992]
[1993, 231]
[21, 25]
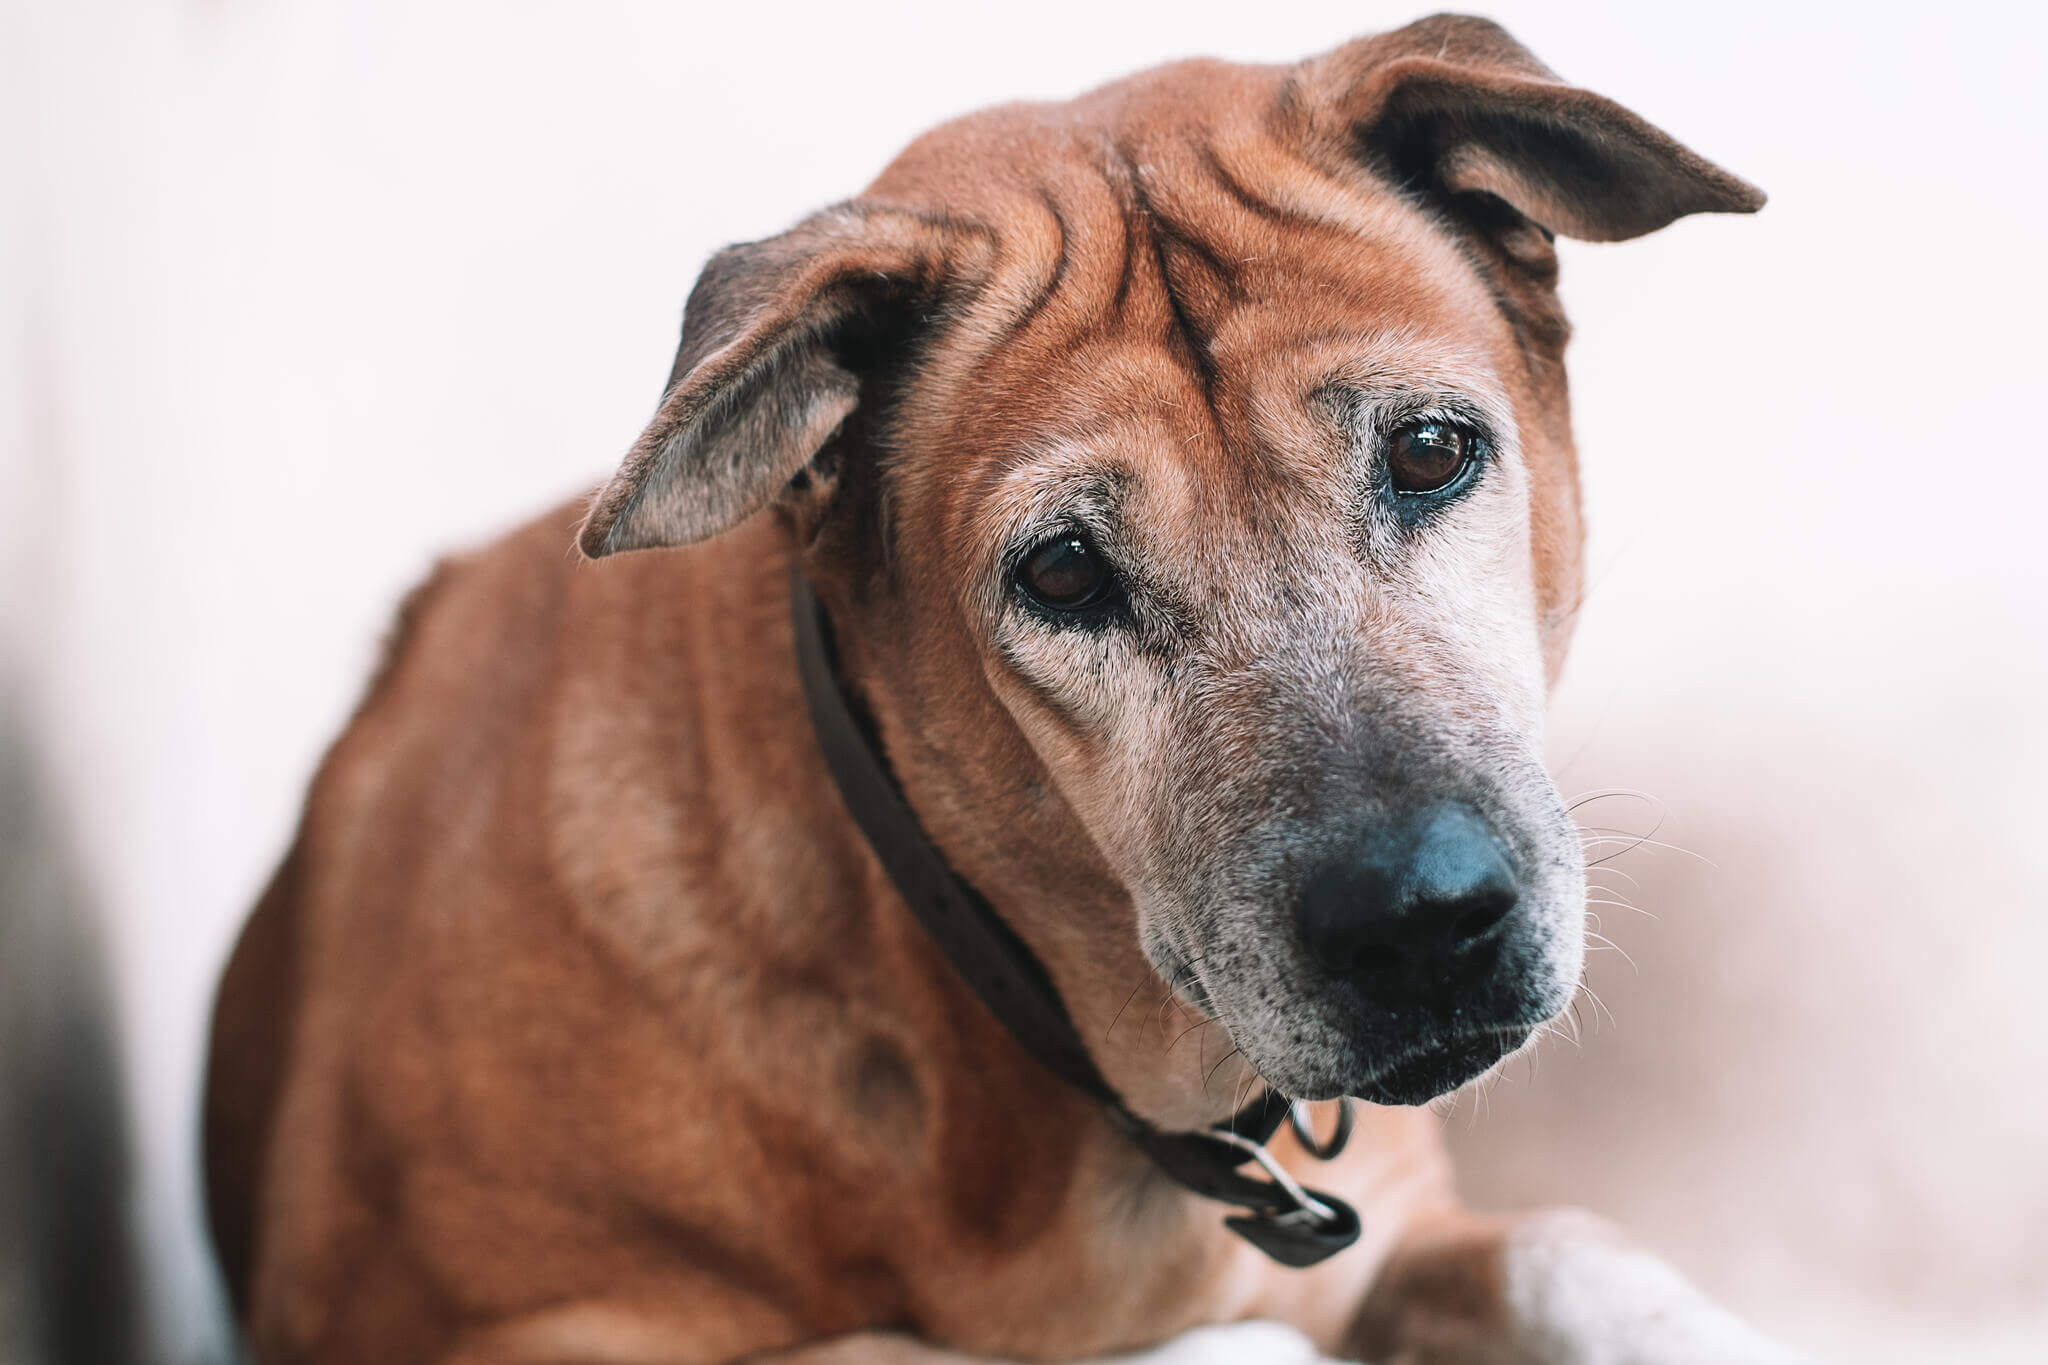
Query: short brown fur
[580, 1023]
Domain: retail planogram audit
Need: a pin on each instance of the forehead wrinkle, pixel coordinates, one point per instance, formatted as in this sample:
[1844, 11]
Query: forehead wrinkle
[1090, 240]
[1107, 402]
[1073, 225]
[1076, 187]
[1222, 475]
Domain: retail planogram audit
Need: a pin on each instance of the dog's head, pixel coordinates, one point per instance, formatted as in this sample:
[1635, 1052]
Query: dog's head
[1188, 470]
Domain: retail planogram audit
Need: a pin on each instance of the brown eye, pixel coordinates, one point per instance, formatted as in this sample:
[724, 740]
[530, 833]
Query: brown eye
[1426, 457]
[1065, 573]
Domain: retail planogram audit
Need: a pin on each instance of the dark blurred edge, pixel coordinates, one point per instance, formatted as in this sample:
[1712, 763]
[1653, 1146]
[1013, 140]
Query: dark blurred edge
[70, 1291]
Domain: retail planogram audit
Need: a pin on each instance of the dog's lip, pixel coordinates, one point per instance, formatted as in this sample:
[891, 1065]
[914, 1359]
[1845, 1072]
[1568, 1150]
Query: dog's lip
[1426, 1073]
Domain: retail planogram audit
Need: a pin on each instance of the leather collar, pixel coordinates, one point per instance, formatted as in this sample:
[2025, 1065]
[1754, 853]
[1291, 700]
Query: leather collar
[1294, 1226]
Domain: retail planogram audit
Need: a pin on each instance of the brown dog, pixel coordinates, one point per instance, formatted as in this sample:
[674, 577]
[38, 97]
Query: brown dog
[1185, 474]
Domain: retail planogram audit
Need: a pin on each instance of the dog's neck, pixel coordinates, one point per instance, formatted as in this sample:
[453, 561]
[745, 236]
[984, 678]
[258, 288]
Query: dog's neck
[771, 842]
[1031, 860]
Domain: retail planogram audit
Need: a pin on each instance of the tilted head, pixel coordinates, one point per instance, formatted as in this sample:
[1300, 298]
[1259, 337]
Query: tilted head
[1188, 471]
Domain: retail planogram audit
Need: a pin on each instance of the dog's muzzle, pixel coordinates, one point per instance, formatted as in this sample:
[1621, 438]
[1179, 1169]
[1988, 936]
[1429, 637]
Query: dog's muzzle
[1412, 915]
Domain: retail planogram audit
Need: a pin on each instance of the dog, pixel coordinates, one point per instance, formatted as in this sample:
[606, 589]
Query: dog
[1057, 687]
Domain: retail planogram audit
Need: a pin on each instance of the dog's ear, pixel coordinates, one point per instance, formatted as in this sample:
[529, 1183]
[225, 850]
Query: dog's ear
[1454, 109]
[777, 337]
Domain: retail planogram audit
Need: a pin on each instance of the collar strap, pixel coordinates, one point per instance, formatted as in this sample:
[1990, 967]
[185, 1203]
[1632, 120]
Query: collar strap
[1294, 1226]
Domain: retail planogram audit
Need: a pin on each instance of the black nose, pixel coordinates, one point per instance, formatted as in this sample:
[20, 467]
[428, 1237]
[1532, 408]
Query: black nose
[1409, 894]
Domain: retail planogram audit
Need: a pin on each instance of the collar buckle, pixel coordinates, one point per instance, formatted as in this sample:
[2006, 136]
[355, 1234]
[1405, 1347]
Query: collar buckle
[1308, 1209]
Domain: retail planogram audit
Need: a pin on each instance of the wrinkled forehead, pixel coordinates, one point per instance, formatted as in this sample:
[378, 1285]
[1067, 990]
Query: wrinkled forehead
[1180, 329]
[1236, 424]
[1125, 439]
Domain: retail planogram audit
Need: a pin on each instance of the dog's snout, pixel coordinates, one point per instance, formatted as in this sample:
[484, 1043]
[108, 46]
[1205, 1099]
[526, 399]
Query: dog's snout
[1409, 894]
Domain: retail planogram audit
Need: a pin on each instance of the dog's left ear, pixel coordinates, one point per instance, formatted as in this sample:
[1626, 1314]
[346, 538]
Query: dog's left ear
[1452, 107]
[778, 336]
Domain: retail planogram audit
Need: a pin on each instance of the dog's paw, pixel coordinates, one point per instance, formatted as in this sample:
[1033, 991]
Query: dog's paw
[1578, 1295]
[1235, 1343]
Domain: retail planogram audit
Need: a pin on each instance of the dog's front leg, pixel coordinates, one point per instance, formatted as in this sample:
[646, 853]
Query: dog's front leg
[1557, 1287]
[1238, 1343]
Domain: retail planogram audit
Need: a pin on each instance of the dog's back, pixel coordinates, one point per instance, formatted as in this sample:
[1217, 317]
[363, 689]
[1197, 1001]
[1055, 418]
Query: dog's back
[252, 1020]
[419, 736]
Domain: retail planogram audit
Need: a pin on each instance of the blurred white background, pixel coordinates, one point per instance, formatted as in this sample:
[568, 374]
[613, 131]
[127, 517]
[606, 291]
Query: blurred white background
[298, 295]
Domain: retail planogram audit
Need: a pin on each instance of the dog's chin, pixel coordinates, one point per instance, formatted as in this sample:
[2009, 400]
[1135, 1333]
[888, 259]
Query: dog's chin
[1408, 1076]
[1430, 1073]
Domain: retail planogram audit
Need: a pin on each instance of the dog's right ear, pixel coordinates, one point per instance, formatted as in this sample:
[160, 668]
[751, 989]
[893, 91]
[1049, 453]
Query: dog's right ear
[768, 369]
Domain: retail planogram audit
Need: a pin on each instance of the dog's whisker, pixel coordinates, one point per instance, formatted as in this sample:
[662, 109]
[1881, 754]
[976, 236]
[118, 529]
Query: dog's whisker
[1621, 905]
[1609, 794]
[1168, 1001]
[1611, 946]
[1651, 843]
[1599, 1005]
[1555, 1029]
[1247, 1078]
[1126, 1005]
[1214, 1069]
[1592, 836]
[1172, 1000]
[1641, 841]
[1198, 1024]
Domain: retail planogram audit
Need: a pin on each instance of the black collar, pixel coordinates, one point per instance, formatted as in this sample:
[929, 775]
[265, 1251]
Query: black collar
[1294, 1226]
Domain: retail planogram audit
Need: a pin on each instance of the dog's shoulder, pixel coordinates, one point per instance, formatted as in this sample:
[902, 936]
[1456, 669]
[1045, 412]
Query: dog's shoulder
[492, 609]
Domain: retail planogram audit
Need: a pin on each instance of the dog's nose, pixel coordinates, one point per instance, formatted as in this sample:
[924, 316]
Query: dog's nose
[1410, 894]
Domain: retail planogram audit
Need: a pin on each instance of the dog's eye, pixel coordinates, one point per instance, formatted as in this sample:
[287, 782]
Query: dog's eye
[1065, 573]
[1428, 456]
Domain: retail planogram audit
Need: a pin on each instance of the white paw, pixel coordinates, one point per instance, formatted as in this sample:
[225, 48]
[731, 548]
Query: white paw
[1236, 1343]
[1577, 1295]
